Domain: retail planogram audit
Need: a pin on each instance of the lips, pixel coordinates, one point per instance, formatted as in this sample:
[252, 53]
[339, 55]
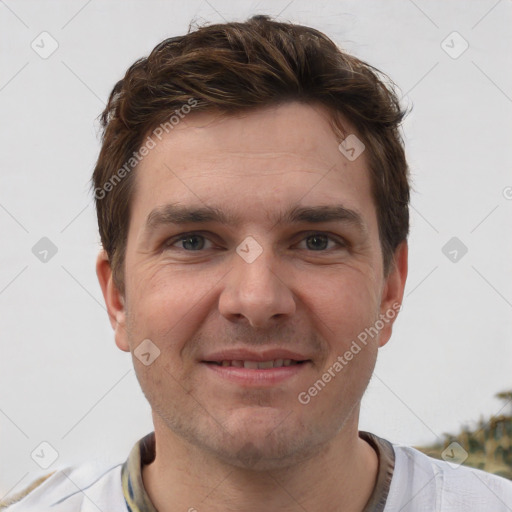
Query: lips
[265, 368]
[257, 365]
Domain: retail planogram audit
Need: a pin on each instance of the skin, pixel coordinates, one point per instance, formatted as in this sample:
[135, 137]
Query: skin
[221, 445]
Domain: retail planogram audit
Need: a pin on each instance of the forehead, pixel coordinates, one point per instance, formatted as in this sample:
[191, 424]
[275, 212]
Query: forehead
[250, 164]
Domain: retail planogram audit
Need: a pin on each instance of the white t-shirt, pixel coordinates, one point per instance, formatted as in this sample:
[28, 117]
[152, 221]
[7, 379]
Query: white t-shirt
[418, 484]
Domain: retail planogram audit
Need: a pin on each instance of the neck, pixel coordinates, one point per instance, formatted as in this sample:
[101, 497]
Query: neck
[340, 477]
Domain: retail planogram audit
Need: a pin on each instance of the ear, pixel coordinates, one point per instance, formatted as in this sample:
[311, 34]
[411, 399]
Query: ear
[113, 299]
[393, 292]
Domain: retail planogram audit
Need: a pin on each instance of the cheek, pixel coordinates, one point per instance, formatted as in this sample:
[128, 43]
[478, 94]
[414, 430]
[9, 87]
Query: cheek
[168, 307]
[344, 303]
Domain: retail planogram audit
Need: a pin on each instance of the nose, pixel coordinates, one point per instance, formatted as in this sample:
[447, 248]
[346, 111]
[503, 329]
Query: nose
[256, 291]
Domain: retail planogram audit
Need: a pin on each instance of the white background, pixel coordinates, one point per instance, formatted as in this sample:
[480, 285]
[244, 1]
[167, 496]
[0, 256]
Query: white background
[64, 381]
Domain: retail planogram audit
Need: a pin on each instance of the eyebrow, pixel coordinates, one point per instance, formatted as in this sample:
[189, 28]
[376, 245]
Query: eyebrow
[179, 214]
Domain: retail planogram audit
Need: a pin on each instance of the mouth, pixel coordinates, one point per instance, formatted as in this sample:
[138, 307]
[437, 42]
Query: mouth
[257, 365]
[261, 370]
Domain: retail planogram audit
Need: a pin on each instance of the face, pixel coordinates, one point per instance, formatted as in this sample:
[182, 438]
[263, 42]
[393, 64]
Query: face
[254, 298]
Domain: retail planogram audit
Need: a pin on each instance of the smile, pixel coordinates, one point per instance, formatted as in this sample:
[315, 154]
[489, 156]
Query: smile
[249, 373]
[257, 365]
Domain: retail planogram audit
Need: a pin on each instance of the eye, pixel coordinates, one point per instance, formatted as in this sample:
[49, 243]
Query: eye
[319, 241]
[191, 242]
[196, 242]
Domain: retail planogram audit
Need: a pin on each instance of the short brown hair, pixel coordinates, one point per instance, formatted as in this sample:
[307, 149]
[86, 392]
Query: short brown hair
[233, 67]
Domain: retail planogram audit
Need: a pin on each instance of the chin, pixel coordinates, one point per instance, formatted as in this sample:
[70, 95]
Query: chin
[271, 453]
[265, 440]
[254, 438]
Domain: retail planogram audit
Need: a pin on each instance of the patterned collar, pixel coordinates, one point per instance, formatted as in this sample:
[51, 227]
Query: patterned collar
[137, 500]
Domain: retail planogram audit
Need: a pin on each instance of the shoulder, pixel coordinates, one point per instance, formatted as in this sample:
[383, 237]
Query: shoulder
[14, 498]
[85, 487]
[422, 483]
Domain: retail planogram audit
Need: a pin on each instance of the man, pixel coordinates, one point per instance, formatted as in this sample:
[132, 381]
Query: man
[252, 197]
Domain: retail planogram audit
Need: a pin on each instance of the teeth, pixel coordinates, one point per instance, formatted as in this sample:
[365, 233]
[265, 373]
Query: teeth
[259, 365]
